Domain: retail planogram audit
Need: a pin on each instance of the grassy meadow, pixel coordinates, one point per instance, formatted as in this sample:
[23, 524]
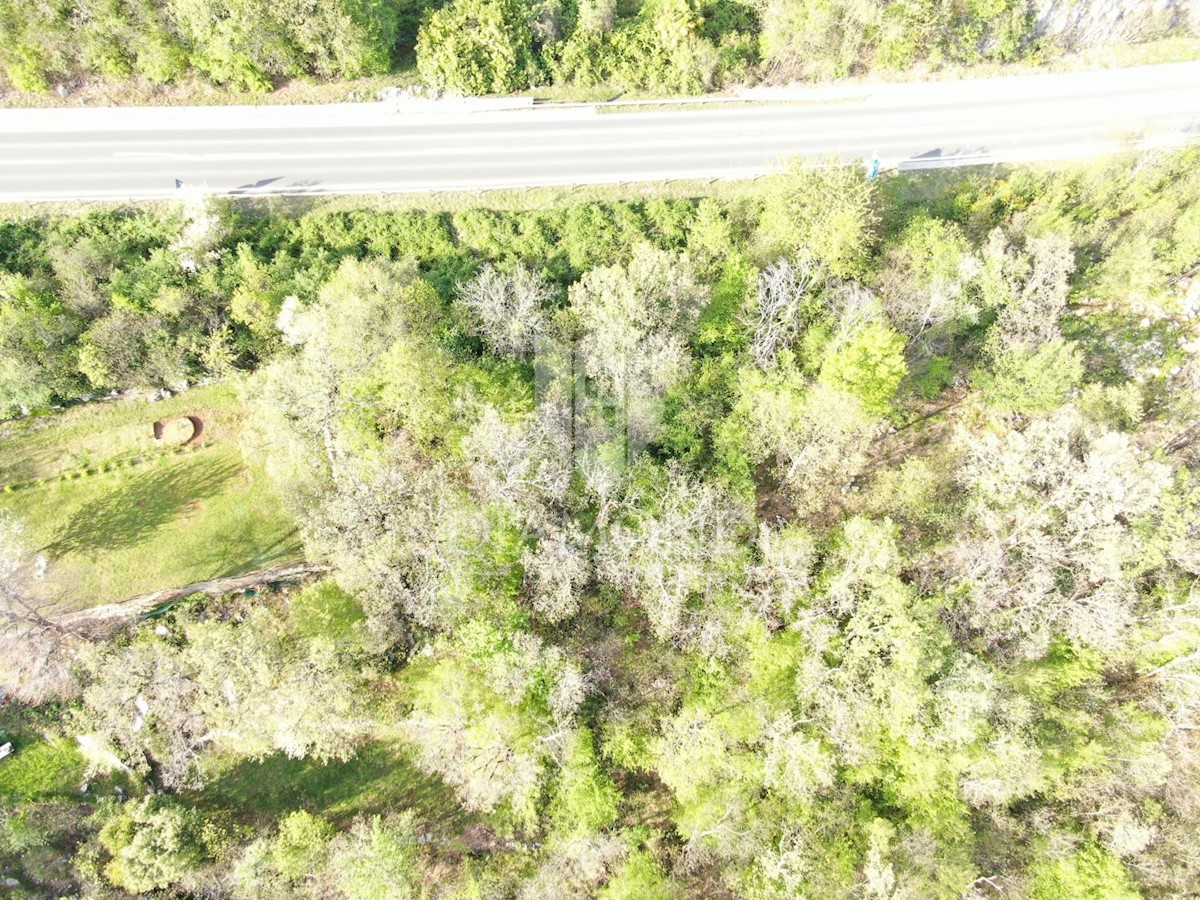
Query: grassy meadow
[117, 513]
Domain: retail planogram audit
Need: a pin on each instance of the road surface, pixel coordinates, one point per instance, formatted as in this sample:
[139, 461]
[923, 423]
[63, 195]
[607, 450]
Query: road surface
[66, 154]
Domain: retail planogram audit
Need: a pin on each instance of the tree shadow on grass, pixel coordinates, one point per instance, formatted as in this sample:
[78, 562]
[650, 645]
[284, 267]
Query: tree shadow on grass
[242, 549]
[139, 505]
[379, 779]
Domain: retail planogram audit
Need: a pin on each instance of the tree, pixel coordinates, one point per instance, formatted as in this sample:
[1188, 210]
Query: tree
[928, 286]
[377, 859]
[36, 332]
[524, 465]
[527, 467]
[815, 437]
[247, 43]
[826, 210]
[782, 576]
[507, 310]
[360, 359]
[1032, 366]
[124, 349]
[783, 293]
[477, 47]
[674, 548]
[37, 652]
[1035, 298]
[868, 363]
[142, 702]
[305, 694]
[154, 843]
[871, 697]
[635, 322]
[490, 710]
[406, 539]
[254, 689]
[557, 569]
[640, 877]
[1089, 870]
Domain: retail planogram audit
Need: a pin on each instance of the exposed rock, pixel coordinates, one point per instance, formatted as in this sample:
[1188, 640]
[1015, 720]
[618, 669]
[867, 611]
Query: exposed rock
[1076, 24]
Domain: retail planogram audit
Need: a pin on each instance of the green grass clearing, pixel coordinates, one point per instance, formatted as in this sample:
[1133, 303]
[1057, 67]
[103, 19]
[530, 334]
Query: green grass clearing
[40, 769]
[117, 513]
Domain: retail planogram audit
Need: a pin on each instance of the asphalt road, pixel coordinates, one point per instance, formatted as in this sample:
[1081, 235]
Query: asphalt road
[64, 154]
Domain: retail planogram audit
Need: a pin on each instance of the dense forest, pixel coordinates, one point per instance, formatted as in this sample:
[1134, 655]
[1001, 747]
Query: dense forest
[822, 538]
[485, 46]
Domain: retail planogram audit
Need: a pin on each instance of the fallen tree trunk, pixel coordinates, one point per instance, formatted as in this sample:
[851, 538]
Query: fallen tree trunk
[116, 613]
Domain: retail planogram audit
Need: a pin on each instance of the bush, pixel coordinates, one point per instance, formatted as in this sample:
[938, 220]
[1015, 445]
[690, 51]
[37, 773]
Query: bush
[586, 800]
[325, 610]
[662, 49]
[300, 848]
[377, 859]
[640, 878]
[1090, 872]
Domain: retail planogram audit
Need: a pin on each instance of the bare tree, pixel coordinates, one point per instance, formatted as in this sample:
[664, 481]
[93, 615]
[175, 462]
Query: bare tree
[524, 465]
[576, 866]
[406, 539]
[782, 577]
[1030, 288]
[826, 449]
[507, 311]
[678, 545]
[557, 569]
[782, 291]
[30, 641]
[1052, 543]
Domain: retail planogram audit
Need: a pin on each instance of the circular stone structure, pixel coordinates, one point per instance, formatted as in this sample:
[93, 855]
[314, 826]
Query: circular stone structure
[197, 429]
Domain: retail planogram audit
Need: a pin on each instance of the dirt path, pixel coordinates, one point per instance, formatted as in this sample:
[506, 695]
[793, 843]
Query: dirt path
[113, 614]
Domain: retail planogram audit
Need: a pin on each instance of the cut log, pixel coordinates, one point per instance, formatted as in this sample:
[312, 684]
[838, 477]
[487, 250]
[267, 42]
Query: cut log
[116, 613]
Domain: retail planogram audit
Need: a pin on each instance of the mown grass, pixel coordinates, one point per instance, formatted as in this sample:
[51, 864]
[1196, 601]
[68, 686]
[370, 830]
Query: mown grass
[117, 513]
[40, 769]
[380, 778]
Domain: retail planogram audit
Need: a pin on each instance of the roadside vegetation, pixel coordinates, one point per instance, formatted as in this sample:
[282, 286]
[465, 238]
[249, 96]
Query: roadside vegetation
[823, 537]
[571, 48]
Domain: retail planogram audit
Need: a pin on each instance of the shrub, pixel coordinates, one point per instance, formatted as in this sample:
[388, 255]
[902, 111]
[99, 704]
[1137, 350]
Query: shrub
[586, 799]
[301, 845]
[1090, 872]
[325, 610]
